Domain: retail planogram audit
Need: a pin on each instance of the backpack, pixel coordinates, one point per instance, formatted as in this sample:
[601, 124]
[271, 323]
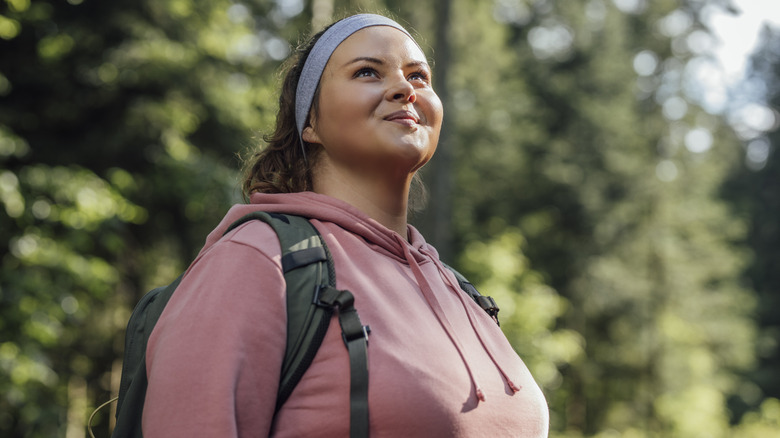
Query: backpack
[312, 300]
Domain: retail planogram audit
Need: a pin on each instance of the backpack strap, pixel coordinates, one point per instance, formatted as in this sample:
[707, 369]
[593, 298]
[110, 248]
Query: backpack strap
[487, 303]
[312, 299]
[355, 336]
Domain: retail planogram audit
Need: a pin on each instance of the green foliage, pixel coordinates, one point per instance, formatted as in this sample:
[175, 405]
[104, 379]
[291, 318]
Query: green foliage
[577, 204]
[623, 219]
[58, 288]
[763, 423]
[753, 193]
[120, 127]
[530, 309]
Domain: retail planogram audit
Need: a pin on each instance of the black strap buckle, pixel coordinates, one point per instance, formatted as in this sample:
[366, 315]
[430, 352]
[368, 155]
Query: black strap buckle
[489, 305]
[362, 334]
[325, 296]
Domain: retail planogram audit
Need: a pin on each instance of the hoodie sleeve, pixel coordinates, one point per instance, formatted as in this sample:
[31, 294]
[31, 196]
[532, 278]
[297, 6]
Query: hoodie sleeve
[214, 358]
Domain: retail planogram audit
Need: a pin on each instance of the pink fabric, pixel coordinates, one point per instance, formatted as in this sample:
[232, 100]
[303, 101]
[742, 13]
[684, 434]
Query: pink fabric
[214, 358]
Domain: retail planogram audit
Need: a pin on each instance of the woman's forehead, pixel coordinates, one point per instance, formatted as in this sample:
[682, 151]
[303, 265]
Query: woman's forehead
[378, 42]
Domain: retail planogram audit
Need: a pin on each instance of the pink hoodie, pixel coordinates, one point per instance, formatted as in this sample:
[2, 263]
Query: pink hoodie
[438, 364]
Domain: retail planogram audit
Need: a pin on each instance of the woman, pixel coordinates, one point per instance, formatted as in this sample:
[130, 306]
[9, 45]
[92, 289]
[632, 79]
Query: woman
[358, 117]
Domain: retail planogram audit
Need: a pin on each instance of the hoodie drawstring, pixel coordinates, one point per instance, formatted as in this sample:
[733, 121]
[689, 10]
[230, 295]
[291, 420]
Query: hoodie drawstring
[430, 297]
[469, 313]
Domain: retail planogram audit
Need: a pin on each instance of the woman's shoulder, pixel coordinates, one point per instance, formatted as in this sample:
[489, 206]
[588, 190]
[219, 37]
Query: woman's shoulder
[255, 234]
[252, 237]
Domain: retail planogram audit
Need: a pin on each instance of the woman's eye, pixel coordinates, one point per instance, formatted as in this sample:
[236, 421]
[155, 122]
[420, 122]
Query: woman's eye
[419, 76]
[366, 73]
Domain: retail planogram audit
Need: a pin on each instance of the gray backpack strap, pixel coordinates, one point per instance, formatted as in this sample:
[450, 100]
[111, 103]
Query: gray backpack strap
[312, 299]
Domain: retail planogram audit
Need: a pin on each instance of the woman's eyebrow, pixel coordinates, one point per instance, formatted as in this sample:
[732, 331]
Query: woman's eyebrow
[422, 64]
[380, 62]
[365, 59]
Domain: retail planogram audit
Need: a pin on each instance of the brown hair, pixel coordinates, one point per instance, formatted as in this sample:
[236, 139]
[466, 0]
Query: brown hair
[281, 166]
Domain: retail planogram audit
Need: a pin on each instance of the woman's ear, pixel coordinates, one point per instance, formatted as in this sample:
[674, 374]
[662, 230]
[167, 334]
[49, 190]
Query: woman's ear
[309, 135]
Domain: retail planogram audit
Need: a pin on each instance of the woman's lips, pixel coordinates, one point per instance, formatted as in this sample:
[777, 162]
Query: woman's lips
[407, 118]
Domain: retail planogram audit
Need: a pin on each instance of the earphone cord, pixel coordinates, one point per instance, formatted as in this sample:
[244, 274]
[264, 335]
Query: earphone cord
[89, 423]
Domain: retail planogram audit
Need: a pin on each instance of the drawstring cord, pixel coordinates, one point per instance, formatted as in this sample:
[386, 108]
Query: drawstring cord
[469, 313]
[430, 297]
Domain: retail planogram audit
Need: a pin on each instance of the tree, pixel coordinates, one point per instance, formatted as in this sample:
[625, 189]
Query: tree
[120, 123]
[560, 136]
[755, 194]
[586, 193]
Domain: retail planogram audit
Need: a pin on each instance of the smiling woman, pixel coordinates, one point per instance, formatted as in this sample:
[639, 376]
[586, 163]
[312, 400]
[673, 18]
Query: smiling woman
[377, 123]
[358, 118]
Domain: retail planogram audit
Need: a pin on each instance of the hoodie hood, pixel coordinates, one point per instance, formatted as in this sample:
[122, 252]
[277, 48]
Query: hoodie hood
[327, 209]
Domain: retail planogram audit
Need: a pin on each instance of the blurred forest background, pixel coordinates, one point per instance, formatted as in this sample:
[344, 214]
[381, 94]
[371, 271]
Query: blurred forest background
[629, 230]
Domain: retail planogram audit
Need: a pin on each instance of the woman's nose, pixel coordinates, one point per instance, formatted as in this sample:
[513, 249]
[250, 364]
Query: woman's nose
[402, 90]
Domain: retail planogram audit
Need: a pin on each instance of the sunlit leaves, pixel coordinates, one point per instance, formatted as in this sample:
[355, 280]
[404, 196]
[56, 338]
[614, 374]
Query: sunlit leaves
[55, 47]
[704, 410]
[23, 369]
[152, 50]
[529, 308]
[9, 28]
[763, 423]
[9, 194]
[18, 5]
[77, 197]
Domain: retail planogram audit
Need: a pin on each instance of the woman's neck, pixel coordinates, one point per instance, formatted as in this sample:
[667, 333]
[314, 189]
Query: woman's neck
[383, 199]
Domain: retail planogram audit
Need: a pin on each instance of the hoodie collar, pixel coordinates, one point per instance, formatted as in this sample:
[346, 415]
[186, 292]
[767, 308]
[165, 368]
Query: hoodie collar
[328, 209]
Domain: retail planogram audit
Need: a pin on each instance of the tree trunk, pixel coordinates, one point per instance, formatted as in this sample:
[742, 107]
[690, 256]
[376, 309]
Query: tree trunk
[436, 221]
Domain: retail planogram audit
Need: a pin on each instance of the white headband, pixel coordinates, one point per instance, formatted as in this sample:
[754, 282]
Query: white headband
[319, 56]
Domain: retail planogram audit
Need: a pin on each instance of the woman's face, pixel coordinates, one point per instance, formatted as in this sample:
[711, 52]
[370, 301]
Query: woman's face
[377, 111]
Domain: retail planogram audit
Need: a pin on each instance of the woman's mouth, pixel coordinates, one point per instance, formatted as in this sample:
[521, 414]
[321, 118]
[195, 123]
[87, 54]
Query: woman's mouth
[408, 118]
